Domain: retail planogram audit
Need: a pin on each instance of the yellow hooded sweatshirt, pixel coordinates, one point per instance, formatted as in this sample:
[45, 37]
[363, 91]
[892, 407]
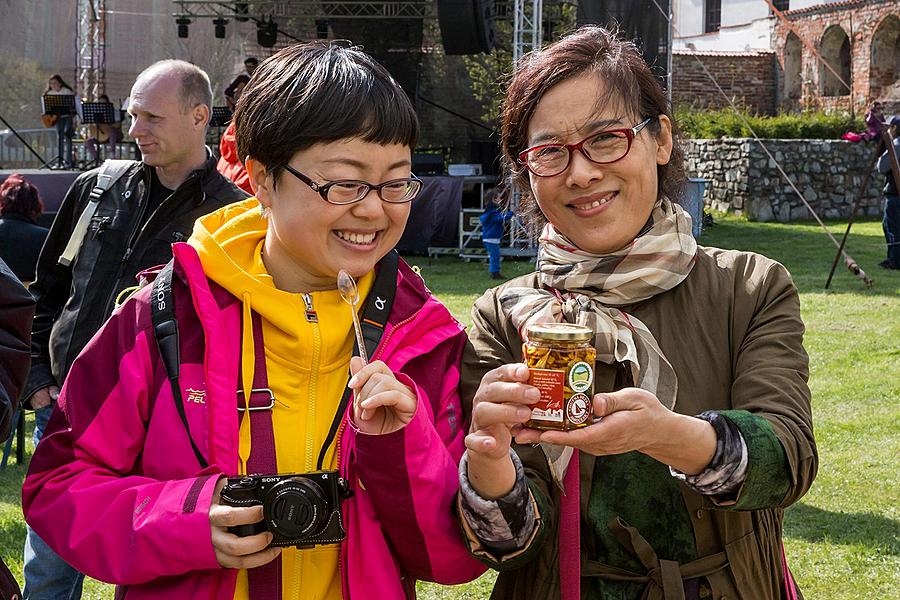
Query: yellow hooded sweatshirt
[307, 364]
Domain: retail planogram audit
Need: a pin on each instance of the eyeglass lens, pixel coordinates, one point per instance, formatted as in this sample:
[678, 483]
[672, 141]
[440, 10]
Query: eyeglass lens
[605, 147]
[350, 191]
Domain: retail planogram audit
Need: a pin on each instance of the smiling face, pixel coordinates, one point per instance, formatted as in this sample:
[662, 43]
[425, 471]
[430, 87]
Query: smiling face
[600, 208]
[167, 132]
[310, 240]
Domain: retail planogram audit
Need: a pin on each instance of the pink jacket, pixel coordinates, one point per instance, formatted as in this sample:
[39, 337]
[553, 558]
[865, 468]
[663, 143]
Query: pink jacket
[115, 489]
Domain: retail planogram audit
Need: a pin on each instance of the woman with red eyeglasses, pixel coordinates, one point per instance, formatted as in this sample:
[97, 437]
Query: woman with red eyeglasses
[701, 428]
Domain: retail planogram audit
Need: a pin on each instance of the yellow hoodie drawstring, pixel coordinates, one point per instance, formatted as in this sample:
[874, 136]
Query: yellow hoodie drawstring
[248, 368]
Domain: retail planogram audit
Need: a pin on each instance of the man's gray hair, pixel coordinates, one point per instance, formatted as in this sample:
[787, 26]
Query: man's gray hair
[195, 86]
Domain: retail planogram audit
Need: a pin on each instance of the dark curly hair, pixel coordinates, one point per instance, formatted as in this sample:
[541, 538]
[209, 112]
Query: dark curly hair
[18, 196]
[627, 80]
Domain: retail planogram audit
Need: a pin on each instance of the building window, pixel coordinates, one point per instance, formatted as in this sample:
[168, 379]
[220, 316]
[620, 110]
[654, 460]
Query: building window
[782, 4]
[713, 18]
[835, 50]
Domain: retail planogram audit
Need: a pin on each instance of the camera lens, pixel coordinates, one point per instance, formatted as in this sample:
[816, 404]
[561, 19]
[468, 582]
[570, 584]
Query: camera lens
[296, 508]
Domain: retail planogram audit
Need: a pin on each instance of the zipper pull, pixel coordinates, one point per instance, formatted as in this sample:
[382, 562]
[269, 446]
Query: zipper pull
[311, 315]
[127, 255]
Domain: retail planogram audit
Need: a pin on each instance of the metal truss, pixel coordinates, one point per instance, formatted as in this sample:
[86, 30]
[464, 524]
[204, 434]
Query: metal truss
[310, 9]
[90, 43]
[528, 17]
[333, 9]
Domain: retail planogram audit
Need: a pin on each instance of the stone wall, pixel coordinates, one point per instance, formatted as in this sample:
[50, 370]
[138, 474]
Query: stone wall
[743, 180]
[747, 77]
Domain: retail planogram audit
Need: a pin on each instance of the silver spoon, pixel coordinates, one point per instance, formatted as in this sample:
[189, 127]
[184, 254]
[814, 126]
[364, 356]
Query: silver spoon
[347, 288]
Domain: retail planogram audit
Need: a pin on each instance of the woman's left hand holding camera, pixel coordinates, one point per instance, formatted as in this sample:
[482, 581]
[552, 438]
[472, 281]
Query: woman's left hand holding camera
[381, 403]
[232, 551]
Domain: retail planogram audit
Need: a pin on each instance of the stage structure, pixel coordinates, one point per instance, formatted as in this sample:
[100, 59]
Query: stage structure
[90, 41]
[467, 27]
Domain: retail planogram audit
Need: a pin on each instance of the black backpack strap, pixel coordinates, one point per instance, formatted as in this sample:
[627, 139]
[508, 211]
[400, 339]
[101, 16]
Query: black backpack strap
[374, 317]
[165, 330]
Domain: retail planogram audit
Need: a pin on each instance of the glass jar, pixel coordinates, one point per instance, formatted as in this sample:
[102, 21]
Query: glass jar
[560, 359]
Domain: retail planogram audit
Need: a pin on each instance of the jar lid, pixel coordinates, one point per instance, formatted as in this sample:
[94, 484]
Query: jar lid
[559, 331]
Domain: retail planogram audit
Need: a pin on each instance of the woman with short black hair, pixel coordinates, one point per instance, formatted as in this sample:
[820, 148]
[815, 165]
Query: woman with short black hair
[130, 485]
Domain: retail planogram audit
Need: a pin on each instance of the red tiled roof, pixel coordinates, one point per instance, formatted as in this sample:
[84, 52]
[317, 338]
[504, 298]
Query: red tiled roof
[826, 7]
[689, 52]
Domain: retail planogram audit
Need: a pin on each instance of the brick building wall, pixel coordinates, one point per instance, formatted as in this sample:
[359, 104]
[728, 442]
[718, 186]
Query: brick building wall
[747, 77]
[870, 28]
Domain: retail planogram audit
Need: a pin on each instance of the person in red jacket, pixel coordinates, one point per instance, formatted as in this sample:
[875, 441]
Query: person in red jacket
[230, 165]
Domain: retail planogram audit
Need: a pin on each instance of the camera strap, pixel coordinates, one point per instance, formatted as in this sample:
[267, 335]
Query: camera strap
[374, 317]
[165, 329]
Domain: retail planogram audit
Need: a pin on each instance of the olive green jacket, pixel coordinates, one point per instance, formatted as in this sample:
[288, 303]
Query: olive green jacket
[732, 332]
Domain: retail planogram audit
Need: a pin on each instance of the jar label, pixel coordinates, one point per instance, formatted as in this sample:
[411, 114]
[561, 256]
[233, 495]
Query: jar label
[551, 383]
[578, 409]
[581, 376]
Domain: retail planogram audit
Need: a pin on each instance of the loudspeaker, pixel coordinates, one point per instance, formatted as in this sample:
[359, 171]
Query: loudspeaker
[467, 26]
[427, 163]
[644, 21]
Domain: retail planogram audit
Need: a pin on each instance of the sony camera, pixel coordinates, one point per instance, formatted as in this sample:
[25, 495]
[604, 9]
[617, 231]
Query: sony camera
[300, 509]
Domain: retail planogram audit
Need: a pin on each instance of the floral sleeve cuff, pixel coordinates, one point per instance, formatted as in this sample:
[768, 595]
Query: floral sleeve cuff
[505, 524]
[728, 468]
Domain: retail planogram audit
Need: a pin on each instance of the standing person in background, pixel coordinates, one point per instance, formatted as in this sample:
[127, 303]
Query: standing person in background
[149, 205]
[21, 237]
[891, 221]
[874, 122]
[232, 93]
[104, 133]
[230, 164]
[493, 221]
[65, 124]
[16, 311]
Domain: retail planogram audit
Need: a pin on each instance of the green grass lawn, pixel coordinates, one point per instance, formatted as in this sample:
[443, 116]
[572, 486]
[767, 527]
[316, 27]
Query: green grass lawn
[843, 538]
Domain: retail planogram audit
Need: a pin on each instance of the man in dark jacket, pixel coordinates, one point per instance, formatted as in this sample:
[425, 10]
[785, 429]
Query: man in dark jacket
[891, 221]
[16, 311]
[152, 204]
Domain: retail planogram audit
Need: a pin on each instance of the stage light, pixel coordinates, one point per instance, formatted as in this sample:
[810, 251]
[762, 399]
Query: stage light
[266, 32]
[241, 10]
[220, 27]
[182, 23]
[321, 29]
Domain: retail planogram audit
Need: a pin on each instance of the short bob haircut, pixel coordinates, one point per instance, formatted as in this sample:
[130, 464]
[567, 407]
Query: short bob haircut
[627, 80]
[18, 196]
[319, 92]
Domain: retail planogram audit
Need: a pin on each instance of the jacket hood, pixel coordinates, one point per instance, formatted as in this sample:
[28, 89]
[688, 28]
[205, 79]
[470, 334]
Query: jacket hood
[229, 242]
[228, 145]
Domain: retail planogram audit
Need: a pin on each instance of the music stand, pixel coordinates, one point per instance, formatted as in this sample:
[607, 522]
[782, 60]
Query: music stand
[221, 116]
[61, 105]
[98, 113]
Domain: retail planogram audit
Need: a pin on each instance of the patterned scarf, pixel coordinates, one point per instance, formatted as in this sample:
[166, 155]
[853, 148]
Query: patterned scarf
[588, 288]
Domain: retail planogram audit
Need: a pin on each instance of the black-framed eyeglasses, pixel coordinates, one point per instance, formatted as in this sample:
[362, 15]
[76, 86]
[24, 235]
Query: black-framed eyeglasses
[602, 148]
[348, 191]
